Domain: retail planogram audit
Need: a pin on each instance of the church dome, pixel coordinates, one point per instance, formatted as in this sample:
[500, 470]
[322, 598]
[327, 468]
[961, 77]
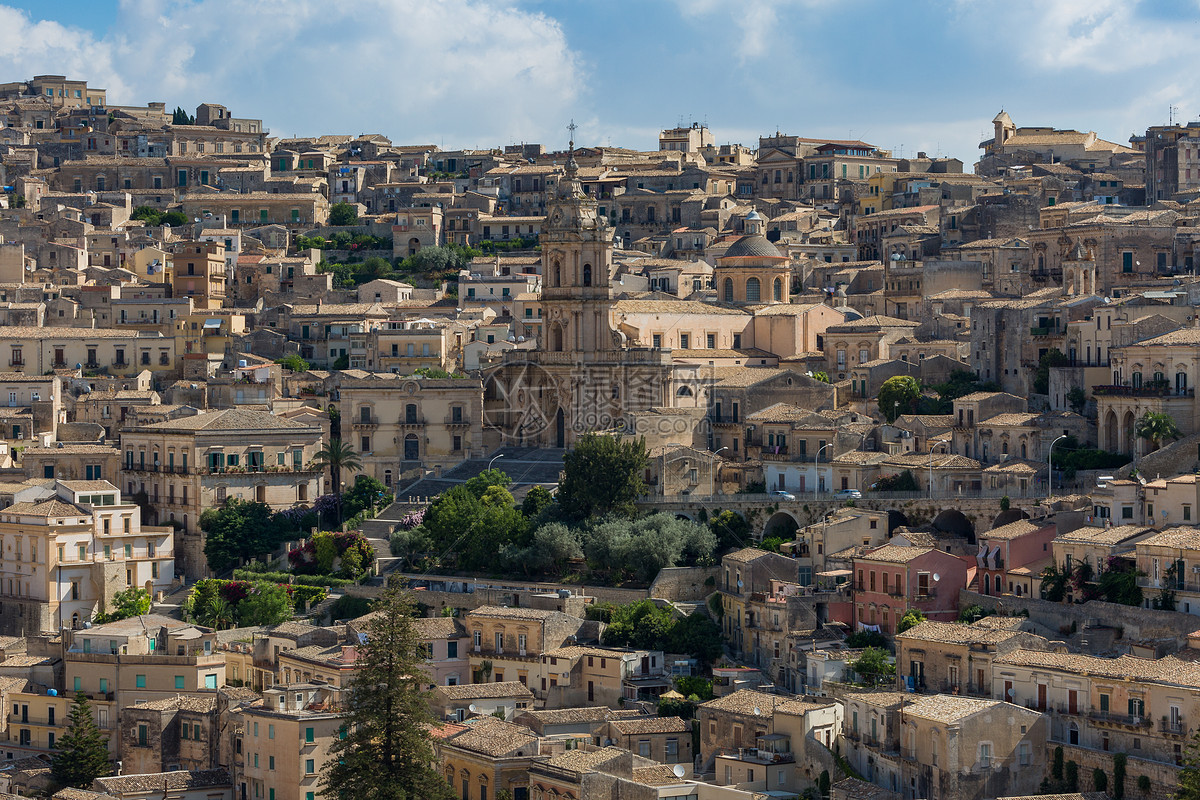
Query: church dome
[753, 246]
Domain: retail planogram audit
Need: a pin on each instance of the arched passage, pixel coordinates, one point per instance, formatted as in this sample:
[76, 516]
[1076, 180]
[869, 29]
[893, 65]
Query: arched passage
[955, 523]
[896, 519]
[1006, 517]
[781, 525]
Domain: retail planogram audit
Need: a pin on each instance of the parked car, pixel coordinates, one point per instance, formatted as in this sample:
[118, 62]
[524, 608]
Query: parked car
[849, 494]
[782, 495]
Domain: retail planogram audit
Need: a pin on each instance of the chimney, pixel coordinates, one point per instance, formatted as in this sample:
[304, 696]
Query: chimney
[349, 654]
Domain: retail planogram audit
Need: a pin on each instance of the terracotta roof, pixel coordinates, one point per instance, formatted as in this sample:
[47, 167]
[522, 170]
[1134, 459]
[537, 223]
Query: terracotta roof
[947, 708]
[52, 507]
[439, 628]
[950, 633]
[232, 419]
[1012, 530]
[1168, 670]
[1178, 538]
[486, 691]
[159, 782]
[649, 725]
[1103, 535]
[567, 716]
[745, 701]
[896, 554]
[492, 737]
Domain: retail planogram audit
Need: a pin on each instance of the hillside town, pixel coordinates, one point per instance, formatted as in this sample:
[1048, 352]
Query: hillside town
[790, 468]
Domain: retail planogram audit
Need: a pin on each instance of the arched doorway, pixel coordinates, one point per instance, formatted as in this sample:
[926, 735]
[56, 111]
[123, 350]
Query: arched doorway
[414, 246]
[560, 429]
[1128, 425]
[781, 525]
[1111, 432]
[955, 523]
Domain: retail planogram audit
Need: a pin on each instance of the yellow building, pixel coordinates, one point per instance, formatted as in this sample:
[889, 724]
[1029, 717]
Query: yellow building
[188, 464]
[199, 272]
[286, 741]
[112, 351]
[70, 551]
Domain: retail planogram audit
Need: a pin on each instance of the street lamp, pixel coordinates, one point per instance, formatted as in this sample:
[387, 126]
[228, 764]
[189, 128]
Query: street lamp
[817, 461]
[493, 461]
[1050, 465]
[712, 478]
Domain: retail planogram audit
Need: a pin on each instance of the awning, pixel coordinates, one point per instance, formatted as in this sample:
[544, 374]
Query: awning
[835, 573]
[212, 323]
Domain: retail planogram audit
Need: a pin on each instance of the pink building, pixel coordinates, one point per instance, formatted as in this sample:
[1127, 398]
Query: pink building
[891, 579]
[1017, 544]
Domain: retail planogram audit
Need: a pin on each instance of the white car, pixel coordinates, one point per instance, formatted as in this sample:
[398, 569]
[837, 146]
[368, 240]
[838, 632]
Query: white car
[849, 494]
[782, 495]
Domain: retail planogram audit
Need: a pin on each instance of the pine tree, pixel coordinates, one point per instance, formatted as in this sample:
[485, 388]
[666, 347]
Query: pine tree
[385, 752]
[1189, 776]
[81, 755]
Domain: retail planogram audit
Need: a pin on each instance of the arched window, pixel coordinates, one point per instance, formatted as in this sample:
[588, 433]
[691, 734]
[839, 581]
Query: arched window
[587, 274]
[1181, 382]
[684, 391]
[729, 290]
[1004, 448]
[1136, 380]
[557, 274]
[753, 290]
[1041, 263]
[1024, 451]
[778, 292]
[556, 339]
[999, 586]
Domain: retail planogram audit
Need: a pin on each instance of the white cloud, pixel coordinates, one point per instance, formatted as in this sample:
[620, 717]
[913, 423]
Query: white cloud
[466, 71]
[1107, 36]
[757, 22]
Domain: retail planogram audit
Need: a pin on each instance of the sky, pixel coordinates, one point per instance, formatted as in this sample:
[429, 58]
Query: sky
[905, 75]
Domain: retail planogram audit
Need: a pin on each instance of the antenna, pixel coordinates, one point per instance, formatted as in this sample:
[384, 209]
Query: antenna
[679, 770]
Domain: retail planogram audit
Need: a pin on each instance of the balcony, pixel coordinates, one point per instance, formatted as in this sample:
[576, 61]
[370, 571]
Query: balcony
[725, 421]
[1173, 727]
[415, 422]
[1145, 390]
[461, 422]
[1129, 720]
[364, 425]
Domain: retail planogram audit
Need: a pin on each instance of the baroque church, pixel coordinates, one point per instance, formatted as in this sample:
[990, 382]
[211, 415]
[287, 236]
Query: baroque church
[585, 373]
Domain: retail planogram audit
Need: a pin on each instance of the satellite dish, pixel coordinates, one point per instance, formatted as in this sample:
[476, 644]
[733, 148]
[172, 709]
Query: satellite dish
[739, 584]
[679, 770]
[757, 711]
[936, 577]
[472, 709]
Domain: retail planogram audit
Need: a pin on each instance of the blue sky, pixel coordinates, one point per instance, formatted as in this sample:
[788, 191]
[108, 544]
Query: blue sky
[906, 76]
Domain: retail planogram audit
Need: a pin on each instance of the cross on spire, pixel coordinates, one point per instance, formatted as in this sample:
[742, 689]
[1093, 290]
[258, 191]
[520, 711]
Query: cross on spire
[571, 128]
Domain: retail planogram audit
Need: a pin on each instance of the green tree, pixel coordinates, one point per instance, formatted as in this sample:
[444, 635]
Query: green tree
[133, 602]
[1077, 399]
[81, 753]
[337, 455]
[181, 117]
[602, 475]
[293, 362]
[365, 493]
[641, 625]
[475, 523]
[911, 618]
[151, 216]
[1118, 792]
[898, 395]
[1155, 427]
[823, 783]
[176, 219]
[873, 666]
[697, 635]
[218, 613]
[537, 500]
[239, 529]
[1189, 775]
[267, 604]
[385, 752]
[341, 214]
[553, 547]
[732, 531]
[821, 376]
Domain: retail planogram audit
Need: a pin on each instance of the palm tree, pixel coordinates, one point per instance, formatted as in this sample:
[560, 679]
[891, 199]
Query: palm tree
[219, 613]
[1156, 427]
[338, 456]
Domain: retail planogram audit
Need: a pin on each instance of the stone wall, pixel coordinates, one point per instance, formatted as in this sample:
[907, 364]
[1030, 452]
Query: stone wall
[688, 584]
[1133, 622]
[1163, 777]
